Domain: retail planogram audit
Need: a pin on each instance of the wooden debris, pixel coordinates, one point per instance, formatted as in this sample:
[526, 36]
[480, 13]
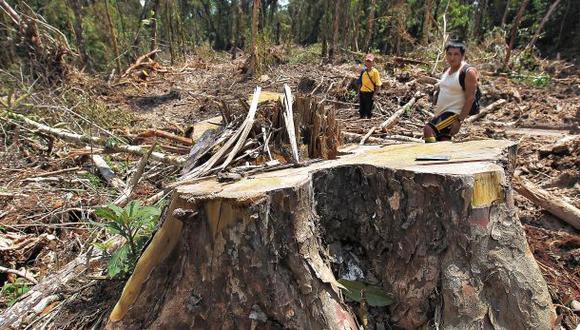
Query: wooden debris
[561, 209]
[107, 173]
[90, 140]
[24, 274]
[289, 123]
[123, 199]
[488, 109]
[392, 121]
[165, 135]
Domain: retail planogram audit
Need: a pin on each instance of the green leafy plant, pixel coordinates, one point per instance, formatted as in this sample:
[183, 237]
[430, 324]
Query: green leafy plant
[135, 223]
[12, 291]
[375, 296]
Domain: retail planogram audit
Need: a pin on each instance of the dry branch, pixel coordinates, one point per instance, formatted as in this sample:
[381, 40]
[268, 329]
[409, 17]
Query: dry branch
[165, 135]
[490, 108]
[549, 202]
[90, 140]
[107, 173]
[124, 198]
[139, 62]
[24, 274]
[393, 120]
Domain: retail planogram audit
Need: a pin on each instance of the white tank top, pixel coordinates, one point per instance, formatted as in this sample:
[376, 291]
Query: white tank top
[451, 96]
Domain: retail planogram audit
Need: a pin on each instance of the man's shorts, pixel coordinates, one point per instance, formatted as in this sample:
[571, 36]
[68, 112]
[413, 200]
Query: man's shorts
[442, 124]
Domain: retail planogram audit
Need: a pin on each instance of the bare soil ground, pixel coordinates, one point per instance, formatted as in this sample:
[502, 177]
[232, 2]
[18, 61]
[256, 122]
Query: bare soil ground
[43, 212]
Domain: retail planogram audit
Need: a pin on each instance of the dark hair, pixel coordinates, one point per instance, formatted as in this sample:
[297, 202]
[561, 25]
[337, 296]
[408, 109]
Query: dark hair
[456, 44]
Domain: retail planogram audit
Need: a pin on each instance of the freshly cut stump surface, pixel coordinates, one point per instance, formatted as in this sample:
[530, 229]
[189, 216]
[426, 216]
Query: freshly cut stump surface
[265, 252]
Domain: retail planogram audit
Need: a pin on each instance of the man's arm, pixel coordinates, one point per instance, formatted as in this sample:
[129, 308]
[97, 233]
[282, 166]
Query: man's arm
[470, 88]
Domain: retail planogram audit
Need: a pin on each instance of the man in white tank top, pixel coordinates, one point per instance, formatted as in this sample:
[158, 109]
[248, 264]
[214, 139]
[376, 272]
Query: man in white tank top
[453, 102]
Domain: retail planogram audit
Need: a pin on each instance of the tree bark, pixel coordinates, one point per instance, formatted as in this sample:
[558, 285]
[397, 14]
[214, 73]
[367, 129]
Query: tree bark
[505, 13]
[426, 22]
[481, 8]
[370, 25]
[154, 23]
[334, 43]
[113, 37]
[254, 56]
[78, 28]
[514, 30]
[543, 22]
[266, 252]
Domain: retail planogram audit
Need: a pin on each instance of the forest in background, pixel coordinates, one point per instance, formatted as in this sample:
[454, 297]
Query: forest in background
[110, 34]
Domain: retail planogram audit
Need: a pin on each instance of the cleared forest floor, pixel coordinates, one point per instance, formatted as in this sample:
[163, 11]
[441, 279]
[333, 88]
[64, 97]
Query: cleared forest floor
[49, 185]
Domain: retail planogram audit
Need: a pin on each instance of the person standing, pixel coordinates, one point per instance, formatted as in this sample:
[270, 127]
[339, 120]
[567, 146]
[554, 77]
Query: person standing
[457, 88]
[369, 82]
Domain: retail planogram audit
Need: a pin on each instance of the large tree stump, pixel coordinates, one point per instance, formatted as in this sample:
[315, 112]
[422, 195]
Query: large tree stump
[264, 252]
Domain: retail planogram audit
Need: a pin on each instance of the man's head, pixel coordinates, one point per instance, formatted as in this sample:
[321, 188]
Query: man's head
[369, 60]
[454, 53]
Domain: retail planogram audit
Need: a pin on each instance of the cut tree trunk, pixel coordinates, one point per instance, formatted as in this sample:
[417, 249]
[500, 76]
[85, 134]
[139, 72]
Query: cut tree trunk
[266, 251]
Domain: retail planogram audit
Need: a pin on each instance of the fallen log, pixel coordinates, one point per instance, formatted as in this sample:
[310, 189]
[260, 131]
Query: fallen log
[24, 310]
[549, 202]
[91, 140]
[259, 252]
[490, 108]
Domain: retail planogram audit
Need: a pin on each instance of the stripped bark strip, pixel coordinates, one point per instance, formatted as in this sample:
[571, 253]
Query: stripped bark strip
[289, 121]
[246, 127]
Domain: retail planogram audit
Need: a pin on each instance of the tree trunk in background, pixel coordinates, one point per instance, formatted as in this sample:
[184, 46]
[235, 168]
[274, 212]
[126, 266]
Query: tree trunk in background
[505, 13]
[170, 32]
[514, 31]
[370, 25]
[542, 23]
[113, 38]
[235, 26]
[7, 52]
[563, 23]
[481, 9]
[78, 28]
[399, 26]
[335, 18]
[154, 30]
[426, 22]
[254, 60]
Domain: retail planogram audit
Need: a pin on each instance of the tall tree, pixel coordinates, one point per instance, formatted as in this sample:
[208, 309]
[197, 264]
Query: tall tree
[426, 22]
[113, 37]
[542, 23]
[514, 30]
[334, 43]
[370, 25]
[154, 28]
[479, 14]
[505, 13]
[78, 27]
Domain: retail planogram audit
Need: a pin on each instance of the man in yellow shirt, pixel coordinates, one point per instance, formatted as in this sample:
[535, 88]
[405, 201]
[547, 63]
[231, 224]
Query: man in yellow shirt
[370, 82]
